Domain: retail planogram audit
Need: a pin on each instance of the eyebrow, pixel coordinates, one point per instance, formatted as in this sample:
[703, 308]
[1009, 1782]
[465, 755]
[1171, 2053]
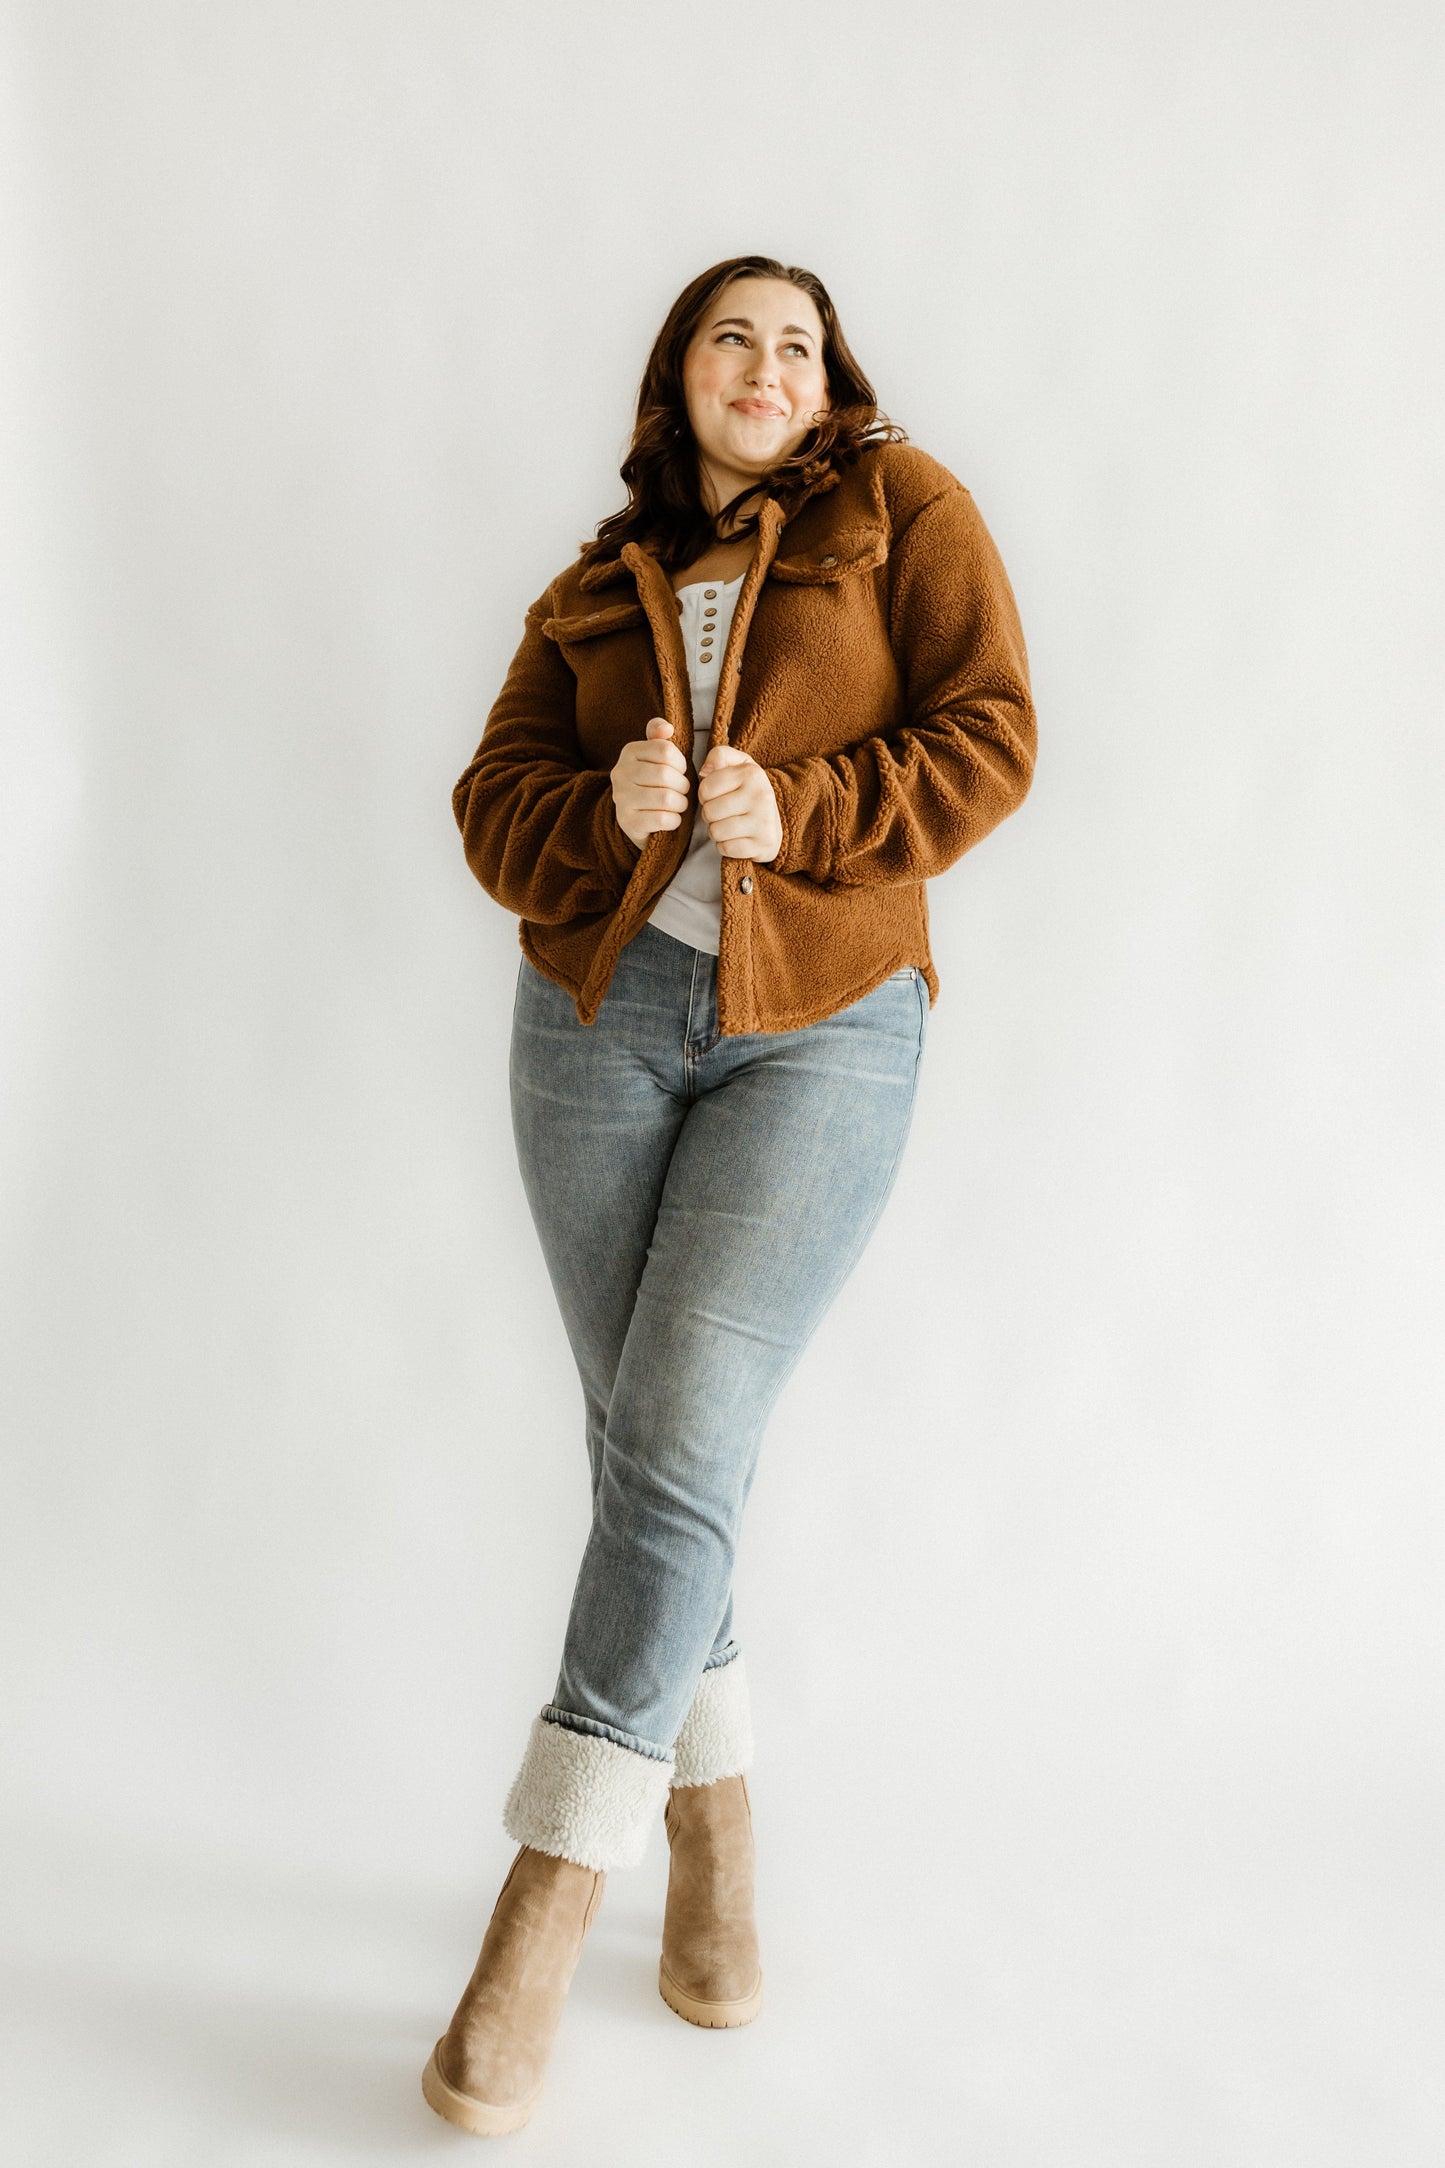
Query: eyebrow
[747, 324]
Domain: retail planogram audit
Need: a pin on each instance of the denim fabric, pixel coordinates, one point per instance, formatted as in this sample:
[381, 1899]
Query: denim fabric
[700, 1202]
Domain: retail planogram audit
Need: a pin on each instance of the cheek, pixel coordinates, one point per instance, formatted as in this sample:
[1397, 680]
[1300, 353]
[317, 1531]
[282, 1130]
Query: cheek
[809, 390]
[709, 374]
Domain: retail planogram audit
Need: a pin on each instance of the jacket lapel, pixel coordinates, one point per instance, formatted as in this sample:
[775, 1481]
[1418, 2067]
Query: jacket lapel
[770, 526]
[659, 602]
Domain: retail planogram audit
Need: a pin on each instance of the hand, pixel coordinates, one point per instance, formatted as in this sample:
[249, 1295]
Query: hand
[736, 800]
[649, 783]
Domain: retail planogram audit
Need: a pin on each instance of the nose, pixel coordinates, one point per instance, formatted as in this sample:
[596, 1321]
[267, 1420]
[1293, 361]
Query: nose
[763, 372]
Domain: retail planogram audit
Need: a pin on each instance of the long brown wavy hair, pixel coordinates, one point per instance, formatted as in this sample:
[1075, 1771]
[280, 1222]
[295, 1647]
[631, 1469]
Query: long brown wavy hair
[661, 470]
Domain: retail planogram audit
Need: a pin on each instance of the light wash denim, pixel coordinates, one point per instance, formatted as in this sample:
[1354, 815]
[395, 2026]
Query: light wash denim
[700, 1202]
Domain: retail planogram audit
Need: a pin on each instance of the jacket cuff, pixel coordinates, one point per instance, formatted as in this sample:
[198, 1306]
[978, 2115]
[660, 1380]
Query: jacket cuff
[804, 805]
[615, 848]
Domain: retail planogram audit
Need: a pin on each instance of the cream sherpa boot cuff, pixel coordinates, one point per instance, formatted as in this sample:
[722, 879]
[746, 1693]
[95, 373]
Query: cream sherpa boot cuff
[585, 1798]
[716, 1739]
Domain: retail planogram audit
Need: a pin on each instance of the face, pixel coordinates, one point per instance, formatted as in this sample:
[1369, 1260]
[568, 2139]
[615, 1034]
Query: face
[754, 380]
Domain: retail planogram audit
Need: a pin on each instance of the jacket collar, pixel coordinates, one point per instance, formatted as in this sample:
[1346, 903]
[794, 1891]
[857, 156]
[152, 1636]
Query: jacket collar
[830, 536]
[601, 574]
[637, 557]
[645, 565]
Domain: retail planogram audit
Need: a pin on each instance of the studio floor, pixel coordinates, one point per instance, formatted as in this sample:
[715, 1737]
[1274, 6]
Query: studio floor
[165, 2008]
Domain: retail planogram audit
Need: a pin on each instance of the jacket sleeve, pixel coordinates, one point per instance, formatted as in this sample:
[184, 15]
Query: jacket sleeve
[538, 827]
[904, 805]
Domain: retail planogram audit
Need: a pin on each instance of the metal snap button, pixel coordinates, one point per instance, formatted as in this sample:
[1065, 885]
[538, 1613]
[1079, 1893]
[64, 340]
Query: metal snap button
[827, 560]
[746, 884]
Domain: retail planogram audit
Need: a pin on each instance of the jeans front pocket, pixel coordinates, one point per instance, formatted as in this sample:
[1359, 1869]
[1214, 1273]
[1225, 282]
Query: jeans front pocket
[907, 972]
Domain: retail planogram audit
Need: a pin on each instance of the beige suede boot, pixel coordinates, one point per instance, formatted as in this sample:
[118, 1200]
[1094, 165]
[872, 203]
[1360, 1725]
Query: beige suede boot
[487, 2070]
[709, 1972]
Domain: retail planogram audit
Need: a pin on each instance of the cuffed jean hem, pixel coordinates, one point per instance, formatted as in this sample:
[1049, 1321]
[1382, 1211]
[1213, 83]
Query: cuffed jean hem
[580, 1796]
[570, 1721]
[589, 1792]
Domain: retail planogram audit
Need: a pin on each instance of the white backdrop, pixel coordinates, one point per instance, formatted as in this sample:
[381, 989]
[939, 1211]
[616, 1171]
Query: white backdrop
[1091, 1581]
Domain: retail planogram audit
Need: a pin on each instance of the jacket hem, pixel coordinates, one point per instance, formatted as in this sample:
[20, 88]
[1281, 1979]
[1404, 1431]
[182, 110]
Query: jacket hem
[800, 1019]
[789, 1019]
[544, 964]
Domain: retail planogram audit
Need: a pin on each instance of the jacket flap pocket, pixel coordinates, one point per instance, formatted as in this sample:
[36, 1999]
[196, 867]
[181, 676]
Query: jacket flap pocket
[586, 624]
[859, 550]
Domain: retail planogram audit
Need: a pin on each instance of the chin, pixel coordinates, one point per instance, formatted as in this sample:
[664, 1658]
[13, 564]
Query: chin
[759, 452]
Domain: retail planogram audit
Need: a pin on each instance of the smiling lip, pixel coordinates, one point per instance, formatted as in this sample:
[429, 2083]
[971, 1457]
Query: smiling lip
[756, 406]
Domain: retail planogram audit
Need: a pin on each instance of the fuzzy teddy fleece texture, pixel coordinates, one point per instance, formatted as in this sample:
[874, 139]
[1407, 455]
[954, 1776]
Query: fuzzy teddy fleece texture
[584, 1798]
[875, 668]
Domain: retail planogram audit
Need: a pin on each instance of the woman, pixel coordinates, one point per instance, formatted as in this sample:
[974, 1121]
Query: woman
[775, 695]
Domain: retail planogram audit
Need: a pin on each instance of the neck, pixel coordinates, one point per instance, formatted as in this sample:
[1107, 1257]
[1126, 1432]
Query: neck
[721, 484]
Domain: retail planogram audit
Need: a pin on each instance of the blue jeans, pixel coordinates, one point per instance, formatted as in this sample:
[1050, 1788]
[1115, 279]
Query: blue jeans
[700, 1202]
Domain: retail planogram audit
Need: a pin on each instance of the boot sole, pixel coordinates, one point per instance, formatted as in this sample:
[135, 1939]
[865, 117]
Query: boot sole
[710, 2014]
[478, 2116]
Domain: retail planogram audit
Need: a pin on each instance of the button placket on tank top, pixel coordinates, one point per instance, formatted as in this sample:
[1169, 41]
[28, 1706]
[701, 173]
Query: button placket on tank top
[702, 607]
[689, 907]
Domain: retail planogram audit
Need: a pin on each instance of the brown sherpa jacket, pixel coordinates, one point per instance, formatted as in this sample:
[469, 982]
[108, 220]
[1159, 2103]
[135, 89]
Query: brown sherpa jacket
[875, 667]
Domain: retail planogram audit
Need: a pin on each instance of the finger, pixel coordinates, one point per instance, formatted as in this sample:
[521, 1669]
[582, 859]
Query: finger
[715, 792]
[734, 834]
[658, 737]
[658, 753]
[722, 776]
[737, 840]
